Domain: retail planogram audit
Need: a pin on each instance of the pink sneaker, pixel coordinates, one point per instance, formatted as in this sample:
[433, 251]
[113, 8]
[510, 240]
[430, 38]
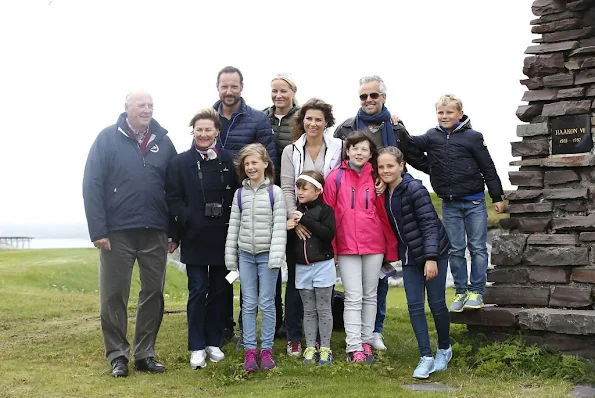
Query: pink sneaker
[266, 360]
[368, 353]
[250, 364]
[356, 356]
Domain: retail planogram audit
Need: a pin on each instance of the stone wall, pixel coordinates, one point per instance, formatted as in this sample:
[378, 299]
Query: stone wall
[543, 281]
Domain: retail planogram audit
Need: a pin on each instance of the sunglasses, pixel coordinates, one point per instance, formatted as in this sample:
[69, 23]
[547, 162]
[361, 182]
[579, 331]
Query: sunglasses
[374, 96]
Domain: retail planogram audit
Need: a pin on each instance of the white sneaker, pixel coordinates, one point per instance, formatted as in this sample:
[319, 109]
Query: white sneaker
[215, 353]
[198, 359]
[378, 342]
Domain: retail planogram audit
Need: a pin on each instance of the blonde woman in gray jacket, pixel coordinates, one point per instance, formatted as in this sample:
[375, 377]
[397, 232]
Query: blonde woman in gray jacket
[256, 241]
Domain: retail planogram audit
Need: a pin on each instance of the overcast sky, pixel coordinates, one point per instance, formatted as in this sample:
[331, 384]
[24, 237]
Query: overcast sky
[67, 65]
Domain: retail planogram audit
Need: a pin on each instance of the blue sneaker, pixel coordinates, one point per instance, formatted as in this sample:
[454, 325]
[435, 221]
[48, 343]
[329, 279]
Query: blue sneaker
[474, 301]
[326, 356]
[459, 302]
[424, 368]
[443, 357]
[310, 355]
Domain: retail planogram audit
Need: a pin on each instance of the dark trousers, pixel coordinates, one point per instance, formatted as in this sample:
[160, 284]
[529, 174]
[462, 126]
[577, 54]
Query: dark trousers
[381, 305]
[149, 247]
[294, 310]
[206, 289]
[416, 287]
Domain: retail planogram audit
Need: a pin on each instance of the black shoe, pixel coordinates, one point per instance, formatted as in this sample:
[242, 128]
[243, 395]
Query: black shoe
[120, 367]
[281, 333]
[149, 365]
[227, 336]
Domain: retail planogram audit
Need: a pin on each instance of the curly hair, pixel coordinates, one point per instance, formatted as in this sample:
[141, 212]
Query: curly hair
[311, 104]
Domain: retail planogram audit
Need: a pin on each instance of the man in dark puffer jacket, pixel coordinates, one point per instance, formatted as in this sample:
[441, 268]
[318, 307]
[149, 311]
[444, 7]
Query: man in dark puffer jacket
[240, 125]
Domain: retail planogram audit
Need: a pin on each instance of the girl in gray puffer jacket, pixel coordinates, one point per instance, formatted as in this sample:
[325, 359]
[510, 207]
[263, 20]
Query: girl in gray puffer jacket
[256, 240]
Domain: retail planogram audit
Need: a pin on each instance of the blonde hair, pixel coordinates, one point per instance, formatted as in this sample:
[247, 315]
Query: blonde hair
[448, 98]
[393, 151]
[254, 150]
[288, 78]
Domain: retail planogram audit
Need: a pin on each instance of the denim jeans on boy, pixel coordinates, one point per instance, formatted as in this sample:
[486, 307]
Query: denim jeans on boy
[258, 283]
[381, 303]
[415, 288]
[466, 221]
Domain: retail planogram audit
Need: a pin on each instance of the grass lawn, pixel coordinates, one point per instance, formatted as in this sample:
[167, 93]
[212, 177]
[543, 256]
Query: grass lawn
[51, 346]
[493, 217]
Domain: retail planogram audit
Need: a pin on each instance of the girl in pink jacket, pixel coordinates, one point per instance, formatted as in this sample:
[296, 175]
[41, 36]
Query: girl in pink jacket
[363, 240]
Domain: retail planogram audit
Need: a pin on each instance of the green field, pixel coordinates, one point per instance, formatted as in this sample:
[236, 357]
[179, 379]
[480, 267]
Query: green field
[51, 346]
[493, 217]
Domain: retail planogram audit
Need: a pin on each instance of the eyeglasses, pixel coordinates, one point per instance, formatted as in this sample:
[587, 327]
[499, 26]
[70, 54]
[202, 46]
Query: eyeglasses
[374, 96]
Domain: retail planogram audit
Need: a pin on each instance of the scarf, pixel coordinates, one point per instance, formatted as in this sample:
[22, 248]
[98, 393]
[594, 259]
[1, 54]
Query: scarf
[210, 152]
[363, 119]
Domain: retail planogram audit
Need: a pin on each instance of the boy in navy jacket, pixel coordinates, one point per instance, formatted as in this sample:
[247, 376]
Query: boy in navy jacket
[460, 168]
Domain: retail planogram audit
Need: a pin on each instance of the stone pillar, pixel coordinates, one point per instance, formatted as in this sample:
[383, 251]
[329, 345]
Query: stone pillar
[543, 281]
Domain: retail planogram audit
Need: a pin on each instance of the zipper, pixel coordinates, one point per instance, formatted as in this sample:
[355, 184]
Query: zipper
[367, 191]
[352, 198]
[390, 206]
[252, 221]
[305, 252]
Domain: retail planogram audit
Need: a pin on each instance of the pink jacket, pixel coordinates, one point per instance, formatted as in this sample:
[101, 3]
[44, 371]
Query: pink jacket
[362, 222]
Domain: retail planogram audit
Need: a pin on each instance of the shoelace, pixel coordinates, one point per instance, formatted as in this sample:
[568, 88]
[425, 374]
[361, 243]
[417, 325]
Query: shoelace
[295, 346]
[266, 356]
[367, 349]
[325, 354]
[309, 353]
[424, 361]
[251, 356]
[358, 356]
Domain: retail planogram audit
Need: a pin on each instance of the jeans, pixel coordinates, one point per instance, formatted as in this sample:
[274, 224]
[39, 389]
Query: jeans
[359, 275]
[415, 288]
[257, 282]
[206, 289]
[294, 310]
[467, 218]
[278, 306]
[381, 305]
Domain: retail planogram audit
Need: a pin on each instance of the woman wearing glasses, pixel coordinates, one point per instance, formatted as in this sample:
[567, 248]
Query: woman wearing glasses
[200, 187]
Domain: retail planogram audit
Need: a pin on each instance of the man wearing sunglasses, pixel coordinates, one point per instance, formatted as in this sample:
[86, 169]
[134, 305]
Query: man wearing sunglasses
[374, 120]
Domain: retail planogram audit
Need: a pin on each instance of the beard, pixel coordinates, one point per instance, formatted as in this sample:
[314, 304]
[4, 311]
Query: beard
[230, 100]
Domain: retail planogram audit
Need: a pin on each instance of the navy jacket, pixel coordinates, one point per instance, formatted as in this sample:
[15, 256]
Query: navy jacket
[122, 188]
[319, 218]
[415, 223]
[202, 238]
[247, 126]
[460, 163]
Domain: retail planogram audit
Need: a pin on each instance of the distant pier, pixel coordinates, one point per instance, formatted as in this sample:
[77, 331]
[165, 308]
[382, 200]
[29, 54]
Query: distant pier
[16, 242]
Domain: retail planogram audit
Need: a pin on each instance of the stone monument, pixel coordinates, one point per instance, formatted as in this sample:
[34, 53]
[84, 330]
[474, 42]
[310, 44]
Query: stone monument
[543, 279]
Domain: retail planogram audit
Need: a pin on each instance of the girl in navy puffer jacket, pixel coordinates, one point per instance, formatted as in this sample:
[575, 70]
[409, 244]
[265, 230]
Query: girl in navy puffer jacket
[423, 249]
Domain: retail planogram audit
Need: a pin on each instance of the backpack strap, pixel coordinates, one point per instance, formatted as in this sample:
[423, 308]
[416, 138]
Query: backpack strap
[271, 198]
[338, 180]
[240, 199]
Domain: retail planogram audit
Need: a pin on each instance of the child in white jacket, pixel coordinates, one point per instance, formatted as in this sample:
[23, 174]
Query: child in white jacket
[256, 238]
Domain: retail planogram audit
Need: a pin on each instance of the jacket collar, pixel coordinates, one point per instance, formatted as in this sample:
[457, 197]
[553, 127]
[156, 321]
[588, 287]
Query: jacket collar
[155, 127]
[243, 108]
[464, 124]
[270, 111]
[312, 204]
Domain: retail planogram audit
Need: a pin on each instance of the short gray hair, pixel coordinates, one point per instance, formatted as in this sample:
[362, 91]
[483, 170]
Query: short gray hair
[374, 78]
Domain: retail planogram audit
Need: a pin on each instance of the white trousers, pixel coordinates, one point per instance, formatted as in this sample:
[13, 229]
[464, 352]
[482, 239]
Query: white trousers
[359, 275]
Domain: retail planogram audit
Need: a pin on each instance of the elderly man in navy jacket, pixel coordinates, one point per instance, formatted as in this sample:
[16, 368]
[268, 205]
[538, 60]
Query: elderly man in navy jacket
[127, 215]
[241, 125]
